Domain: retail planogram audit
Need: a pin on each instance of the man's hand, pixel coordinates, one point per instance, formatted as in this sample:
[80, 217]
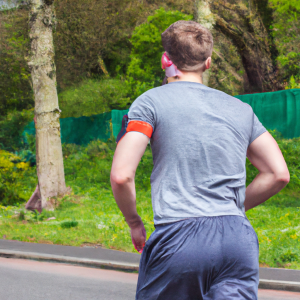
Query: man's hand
[128, 154]
[138, 236]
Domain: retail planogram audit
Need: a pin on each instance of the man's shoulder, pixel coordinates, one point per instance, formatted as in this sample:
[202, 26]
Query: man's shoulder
[155, 95]
[150, 97]
[230, 100]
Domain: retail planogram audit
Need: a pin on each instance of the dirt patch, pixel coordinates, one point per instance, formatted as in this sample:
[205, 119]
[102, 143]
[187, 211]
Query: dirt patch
[91, 245]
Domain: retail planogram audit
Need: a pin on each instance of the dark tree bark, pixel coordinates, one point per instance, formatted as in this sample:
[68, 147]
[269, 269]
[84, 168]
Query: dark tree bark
[241, 22]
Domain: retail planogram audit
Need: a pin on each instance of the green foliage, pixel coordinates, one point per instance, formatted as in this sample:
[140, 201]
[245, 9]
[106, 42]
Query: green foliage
[286, 32]
[287, 6]
[144, 71]
[288, 256]
[87, 32]
[98, 155]
[294, 83]
[96, 148]
[30, 142]
[35, 216]
[91, 30]
[26, 156]
[12, 171]
[92, 97]
[69, 149]
[11, 128]
[95, 155]
[69, 224]
[15, 86]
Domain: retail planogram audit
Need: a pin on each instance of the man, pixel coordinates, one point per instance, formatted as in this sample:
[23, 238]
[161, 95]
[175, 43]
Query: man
[203, 246]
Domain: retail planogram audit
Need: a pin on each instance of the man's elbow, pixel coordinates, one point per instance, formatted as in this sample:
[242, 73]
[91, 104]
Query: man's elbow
[120, 179]
[283, 177]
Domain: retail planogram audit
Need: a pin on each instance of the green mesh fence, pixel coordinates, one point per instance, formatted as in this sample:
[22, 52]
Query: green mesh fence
[82, 130]
[276, 110]
[116, 119]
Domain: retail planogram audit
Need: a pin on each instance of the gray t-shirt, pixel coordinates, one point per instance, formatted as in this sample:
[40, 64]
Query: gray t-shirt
[199, 144]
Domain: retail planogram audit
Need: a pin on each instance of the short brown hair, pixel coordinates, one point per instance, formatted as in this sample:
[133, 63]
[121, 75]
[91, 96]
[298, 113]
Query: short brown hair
[188, 44]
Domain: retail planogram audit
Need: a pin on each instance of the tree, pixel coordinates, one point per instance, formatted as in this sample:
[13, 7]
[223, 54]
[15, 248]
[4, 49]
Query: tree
[246, 24]
[50, 169]
[205, 17]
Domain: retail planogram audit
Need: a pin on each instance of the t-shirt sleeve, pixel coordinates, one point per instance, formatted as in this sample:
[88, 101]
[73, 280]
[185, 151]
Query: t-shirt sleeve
[141, 116]
[257, 129]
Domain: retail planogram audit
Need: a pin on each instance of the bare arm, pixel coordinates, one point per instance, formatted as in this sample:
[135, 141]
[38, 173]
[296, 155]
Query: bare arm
[127, 156]
[273, 176]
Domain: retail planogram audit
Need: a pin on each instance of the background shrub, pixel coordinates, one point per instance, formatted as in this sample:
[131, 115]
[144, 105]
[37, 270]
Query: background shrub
[93, 96]
[15, 82]
[11, 174]
[144, 71]
[11, 129]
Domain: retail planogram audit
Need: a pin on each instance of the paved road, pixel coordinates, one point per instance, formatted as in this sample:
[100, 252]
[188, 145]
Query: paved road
[31, 280]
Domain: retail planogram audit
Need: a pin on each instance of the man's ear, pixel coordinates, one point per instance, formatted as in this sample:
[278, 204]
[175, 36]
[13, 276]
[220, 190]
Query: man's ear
[207, 63]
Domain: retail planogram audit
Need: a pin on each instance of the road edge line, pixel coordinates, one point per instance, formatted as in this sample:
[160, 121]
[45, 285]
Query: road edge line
[96, 263]
[290, 286]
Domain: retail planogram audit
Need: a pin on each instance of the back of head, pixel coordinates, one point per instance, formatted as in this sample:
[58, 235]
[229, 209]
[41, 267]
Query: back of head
[188, 44]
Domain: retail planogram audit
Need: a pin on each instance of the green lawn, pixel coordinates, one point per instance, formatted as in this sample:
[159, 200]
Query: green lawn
[90, 216]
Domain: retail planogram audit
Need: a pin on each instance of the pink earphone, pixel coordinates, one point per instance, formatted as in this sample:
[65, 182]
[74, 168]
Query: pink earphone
[167, 64]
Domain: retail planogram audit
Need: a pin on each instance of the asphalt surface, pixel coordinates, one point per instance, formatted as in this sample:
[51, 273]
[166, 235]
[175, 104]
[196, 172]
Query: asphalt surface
[97, 257]
[75, 252]
[33, 280]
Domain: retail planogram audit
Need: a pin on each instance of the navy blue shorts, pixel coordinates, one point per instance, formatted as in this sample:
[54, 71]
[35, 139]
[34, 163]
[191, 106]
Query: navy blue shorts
[200, 258]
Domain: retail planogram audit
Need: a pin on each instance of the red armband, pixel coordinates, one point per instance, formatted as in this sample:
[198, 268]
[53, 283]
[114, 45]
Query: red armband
[140, 126]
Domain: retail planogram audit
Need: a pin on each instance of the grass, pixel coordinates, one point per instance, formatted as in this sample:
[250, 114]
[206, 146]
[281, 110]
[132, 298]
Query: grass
[90, 216]
[277, 225]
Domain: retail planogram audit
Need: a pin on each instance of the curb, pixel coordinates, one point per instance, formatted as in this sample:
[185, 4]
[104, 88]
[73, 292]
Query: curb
[279, 285]
[128, 267]
[95, 263]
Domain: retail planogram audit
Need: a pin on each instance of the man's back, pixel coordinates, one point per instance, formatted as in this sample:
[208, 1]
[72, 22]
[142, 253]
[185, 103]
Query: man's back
[199, 144]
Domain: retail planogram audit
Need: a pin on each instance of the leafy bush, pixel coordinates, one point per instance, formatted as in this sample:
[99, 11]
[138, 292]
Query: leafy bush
[11, 129]
[15, 89]
[93, 97]
[11, 175]
[144, 71]
[288, 256]
[294, 83]
[98, 155]
[26, 156]
[69, 149]
[286, 32]
[96, 148]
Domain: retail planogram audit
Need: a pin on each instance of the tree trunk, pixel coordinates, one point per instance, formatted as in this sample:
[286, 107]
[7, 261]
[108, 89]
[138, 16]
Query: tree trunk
[50, 169]
[205, 17]
[241, 22]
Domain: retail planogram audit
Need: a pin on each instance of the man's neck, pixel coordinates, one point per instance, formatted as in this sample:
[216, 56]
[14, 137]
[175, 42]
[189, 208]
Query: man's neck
[187, 76]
